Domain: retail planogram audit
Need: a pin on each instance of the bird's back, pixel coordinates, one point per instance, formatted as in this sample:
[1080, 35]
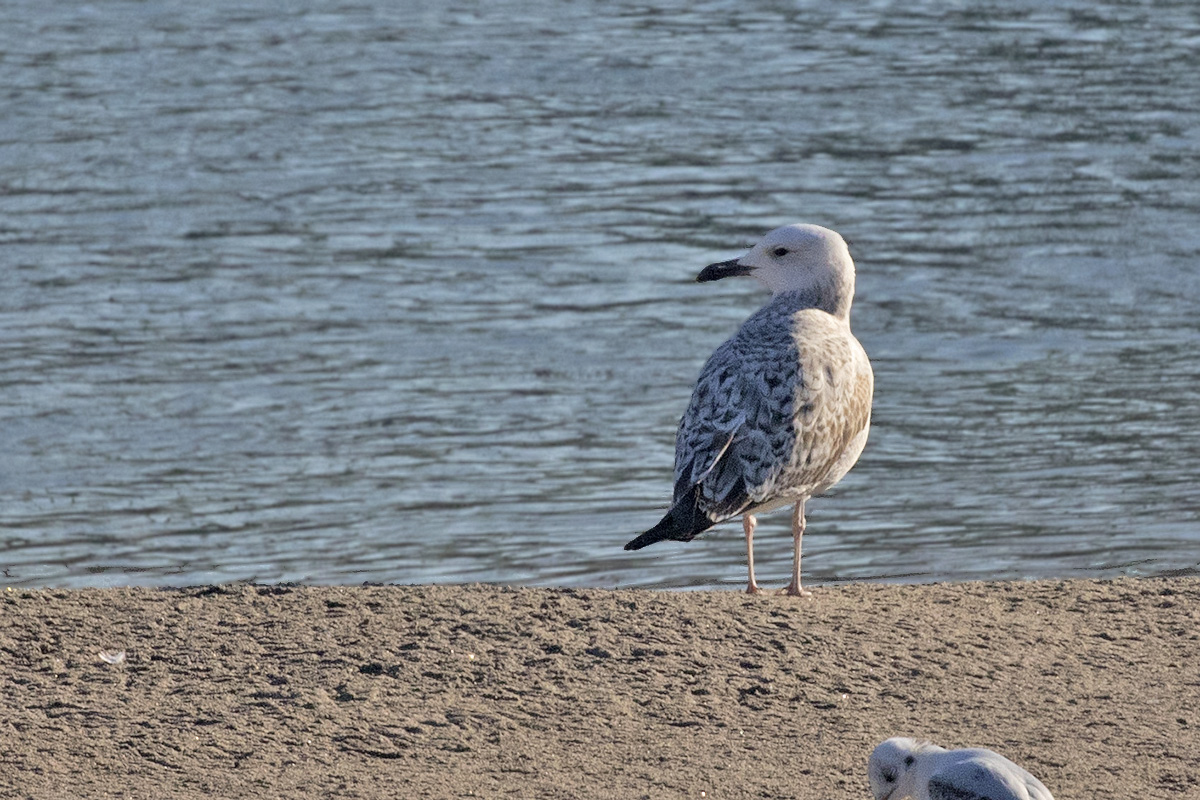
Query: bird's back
[979, 774]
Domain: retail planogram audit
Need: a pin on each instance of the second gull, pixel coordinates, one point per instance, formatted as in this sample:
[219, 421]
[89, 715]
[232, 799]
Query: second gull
[905, 769]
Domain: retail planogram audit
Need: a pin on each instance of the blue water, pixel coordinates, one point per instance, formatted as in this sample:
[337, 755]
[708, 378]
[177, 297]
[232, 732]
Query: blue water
[402, 292]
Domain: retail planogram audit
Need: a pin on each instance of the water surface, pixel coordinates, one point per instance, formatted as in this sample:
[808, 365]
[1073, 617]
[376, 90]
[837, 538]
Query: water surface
[345, 292]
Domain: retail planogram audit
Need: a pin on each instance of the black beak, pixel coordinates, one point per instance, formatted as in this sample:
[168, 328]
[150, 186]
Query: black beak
[722, 269]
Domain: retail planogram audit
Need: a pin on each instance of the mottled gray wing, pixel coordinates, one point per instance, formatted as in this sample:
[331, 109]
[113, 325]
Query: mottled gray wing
[972, 780]
[737, 433]
[943, 790]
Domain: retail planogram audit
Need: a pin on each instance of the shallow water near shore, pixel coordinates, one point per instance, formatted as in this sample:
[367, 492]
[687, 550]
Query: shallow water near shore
[351, 293]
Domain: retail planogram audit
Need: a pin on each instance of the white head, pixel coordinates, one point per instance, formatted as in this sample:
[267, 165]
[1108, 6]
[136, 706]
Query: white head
[890, 769]
[797, 258]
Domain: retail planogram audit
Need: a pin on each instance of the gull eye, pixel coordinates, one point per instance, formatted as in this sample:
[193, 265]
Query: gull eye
[780, 251]
[908, 761]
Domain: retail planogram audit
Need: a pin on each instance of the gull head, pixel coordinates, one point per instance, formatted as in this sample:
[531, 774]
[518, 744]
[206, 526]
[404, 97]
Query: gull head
[890, 768]
[797, 258]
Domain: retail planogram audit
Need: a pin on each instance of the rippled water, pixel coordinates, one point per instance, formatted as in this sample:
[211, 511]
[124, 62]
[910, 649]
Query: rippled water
[334, 293]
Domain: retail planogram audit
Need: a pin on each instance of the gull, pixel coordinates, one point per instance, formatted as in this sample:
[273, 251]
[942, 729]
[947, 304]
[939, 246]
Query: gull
[903, 768]
[781, 410]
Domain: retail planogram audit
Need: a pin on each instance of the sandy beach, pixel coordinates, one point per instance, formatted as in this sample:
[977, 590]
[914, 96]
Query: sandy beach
[479, 691]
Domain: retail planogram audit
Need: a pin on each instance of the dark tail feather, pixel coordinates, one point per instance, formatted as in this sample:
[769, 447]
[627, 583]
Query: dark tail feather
[682, 523]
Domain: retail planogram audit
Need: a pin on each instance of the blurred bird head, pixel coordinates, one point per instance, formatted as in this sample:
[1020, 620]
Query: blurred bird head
[889, 768]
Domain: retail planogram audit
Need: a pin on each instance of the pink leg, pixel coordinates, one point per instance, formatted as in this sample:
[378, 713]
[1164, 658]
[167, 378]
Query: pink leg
[748, 523]
[794, 588]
